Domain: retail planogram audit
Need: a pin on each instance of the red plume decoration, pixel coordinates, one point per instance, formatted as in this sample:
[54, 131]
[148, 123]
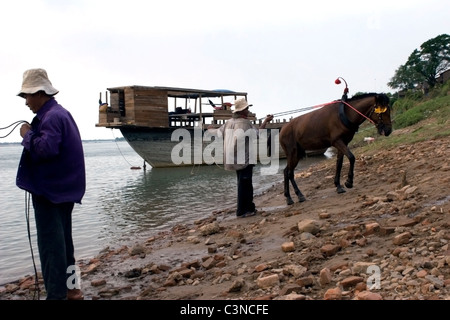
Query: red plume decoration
[338, 81]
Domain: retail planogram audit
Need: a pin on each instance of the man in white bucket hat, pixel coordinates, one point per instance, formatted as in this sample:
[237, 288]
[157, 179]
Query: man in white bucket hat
[230, 130]
[52, 170]
[35, 80]
[241, 105]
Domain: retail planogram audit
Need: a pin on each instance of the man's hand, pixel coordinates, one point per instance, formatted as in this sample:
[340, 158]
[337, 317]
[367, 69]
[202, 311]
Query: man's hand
[24, 129]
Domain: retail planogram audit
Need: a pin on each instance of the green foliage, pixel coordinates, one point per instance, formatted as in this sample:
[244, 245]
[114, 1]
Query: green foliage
[441, 90]
[424, 65]
[402, 105]
[409, 118]
[415, 107]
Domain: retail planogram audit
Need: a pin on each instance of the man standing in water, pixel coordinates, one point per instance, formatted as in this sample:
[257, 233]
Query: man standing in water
[52, 170]
[243, 165]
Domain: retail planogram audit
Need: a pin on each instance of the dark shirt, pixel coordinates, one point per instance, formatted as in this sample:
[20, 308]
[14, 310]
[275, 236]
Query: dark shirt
[52, 163]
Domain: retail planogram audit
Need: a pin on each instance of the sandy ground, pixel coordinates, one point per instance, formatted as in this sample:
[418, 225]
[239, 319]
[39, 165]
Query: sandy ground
[387, 238]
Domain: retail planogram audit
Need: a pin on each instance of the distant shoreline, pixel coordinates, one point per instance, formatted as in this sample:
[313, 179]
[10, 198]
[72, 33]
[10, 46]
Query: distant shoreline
[91, 140]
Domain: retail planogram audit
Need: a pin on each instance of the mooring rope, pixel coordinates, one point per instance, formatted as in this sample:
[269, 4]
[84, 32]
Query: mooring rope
[120, 151]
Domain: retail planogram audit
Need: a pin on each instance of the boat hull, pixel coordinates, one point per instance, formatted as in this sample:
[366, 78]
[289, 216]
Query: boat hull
[160, 147]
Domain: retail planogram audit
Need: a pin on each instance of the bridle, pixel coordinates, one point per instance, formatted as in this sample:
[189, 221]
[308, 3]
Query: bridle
[378, 109]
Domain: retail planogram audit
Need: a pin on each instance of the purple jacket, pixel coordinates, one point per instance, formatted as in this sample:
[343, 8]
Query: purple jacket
[52, 163]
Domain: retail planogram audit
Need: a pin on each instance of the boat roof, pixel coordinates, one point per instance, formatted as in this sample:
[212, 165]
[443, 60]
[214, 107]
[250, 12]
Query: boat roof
[184, 92]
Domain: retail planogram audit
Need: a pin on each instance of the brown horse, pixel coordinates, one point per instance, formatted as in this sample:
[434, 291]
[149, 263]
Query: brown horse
[334, 124]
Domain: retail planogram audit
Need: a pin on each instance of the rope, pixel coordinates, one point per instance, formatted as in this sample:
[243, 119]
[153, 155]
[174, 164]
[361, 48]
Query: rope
[120, 151]
[27, 216]
[318, 106]
[193, 168]
[284, 113]
[15, 124]
[359, 112]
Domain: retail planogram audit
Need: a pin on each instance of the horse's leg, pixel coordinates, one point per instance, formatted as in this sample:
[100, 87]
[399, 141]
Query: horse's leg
[299, 154]
[351, 158]
[286, 172]
[289, 173]
[293, 159]
[337, 176]
[299, 194]
[343, 150]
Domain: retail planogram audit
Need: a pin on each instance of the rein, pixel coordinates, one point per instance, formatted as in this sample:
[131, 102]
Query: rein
[342, 116]
[349, 105]
[344, 119]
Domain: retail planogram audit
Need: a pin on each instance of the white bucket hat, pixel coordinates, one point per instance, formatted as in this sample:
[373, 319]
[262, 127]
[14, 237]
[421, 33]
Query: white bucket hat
[35, 80]
[241, 104]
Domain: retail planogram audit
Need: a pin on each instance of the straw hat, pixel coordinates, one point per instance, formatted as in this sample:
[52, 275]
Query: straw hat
[35, 80]
[240, 105]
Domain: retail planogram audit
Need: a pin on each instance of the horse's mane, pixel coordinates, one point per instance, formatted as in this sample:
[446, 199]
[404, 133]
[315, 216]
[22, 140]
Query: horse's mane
[380, 97]
[362, 96]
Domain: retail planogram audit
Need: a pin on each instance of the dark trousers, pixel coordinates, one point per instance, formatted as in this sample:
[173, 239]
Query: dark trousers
[245, 190]
[56, 251]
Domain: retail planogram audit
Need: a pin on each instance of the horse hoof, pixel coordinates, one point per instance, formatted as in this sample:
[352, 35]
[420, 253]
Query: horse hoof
[340, 190]
[301, 199]
[290, 202]
[349, 184]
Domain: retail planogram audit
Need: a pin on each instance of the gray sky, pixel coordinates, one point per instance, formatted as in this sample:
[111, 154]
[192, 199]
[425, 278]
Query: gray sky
[285, 54]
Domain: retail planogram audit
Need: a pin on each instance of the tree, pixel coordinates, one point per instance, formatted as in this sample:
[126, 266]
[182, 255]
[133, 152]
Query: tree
[424, 65]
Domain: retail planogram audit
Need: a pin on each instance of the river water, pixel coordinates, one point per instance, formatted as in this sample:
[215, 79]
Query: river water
[121, 205]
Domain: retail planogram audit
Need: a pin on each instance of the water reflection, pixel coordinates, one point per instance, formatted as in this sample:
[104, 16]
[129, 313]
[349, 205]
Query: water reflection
[167, 196]
[162, 197]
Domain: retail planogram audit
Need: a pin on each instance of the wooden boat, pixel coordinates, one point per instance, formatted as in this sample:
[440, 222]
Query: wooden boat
[148, 118]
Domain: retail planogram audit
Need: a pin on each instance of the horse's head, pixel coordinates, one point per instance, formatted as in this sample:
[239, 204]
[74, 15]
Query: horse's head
[381, 114]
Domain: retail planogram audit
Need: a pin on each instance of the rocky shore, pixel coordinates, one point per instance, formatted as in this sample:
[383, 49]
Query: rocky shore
[387, 238]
